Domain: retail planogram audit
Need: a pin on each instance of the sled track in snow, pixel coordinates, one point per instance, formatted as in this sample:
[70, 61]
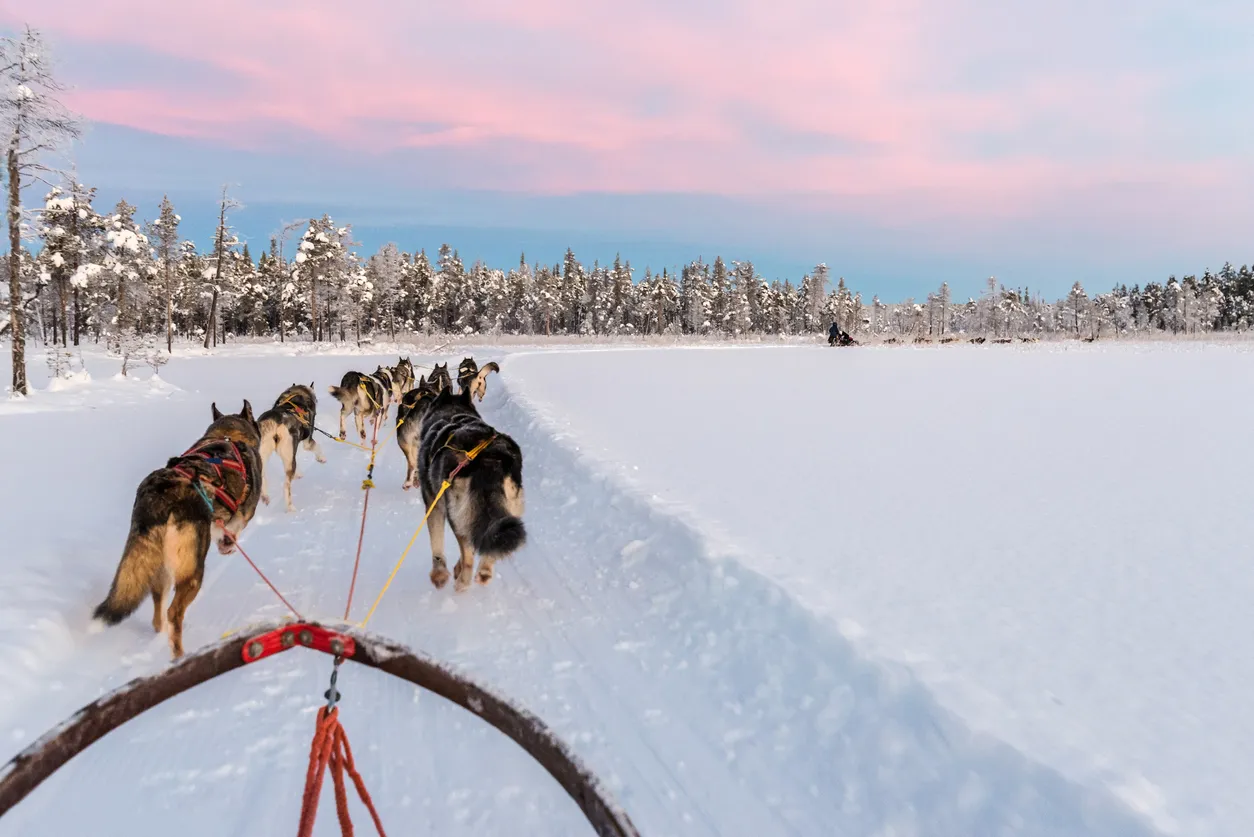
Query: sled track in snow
[706, 699]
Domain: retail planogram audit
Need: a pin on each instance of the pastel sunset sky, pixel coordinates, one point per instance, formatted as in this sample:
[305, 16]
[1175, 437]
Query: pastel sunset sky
[904, 143]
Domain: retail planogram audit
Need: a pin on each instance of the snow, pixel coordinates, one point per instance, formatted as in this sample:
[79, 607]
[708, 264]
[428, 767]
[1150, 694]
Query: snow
[788, 590]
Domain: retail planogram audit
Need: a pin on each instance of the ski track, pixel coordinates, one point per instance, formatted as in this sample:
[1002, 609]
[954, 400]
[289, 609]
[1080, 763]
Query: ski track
[709, 701]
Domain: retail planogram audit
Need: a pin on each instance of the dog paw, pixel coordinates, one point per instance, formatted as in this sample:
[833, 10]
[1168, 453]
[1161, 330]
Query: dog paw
[290, 508]
[322, 459]
[265, 498]
[484, 575]
[225, 547]
[462, 576]
[408, 484]
[439, 575]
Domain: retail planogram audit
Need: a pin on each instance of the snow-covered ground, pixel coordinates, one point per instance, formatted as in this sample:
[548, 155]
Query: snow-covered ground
[793, 590]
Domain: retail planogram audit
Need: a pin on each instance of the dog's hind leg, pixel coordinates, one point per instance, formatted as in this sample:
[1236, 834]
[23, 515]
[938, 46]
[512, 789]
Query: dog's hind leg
[486, 563]
[345, 409]
[411, 463]
[465, 568]
[287, 452]
[359, 417]
[160, 584]
[311, 444]
[190, 544]
[435, 530]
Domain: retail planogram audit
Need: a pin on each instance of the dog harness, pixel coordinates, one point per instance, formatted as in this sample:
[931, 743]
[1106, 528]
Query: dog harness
[299, 410]
[236, 463]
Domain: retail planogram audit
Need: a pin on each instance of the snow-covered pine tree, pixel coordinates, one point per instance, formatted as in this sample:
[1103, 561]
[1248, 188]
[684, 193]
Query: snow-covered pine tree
[128, 265]
[385, 270]
[164, 235]
[33, 124]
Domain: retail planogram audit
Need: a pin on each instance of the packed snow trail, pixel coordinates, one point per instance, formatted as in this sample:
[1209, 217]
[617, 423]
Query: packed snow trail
[708, 699]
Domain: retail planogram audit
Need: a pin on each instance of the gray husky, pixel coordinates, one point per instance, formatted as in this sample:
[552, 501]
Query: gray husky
[362, 395]
[484, 504]
[285, 425]
[213, 484]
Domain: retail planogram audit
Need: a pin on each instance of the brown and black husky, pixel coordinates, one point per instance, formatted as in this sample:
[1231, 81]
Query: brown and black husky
[409, 413]
[285, 425]
[361, 395]
[213, 484]
[471, 377]
[485, 503]
[403, 375]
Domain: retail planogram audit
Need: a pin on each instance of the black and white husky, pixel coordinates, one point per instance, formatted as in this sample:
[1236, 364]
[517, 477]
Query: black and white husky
[484, 504]
[361, 395]
[471, 377]
[285, 425]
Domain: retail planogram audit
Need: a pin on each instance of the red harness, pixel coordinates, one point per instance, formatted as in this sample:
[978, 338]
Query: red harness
[217, 463]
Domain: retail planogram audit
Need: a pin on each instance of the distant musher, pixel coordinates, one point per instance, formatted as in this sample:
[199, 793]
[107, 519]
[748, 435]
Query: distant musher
[836, 337]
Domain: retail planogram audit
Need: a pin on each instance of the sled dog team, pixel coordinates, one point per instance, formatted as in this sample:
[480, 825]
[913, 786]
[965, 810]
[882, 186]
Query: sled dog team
[214, 486]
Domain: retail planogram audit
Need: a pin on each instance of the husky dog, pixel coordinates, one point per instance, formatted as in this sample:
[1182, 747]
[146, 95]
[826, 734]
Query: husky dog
[484, 505]
[289, 422]
[409, 414]
[176, 509]
[360, 395]
[440, 377]
[403, 373]
[471, 377]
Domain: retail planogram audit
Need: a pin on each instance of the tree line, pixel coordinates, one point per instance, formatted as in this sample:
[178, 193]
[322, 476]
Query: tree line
[77, 272]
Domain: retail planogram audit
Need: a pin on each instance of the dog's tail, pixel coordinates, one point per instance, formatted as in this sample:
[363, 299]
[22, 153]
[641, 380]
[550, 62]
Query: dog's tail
[169, 534]
[497, 528]
[272, 433]
[344, 395]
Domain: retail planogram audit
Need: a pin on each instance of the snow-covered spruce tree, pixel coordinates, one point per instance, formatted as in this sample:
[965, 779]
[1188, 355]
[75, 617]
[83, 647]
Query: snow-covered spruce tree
[384, 270]
[224, 240]
[814, 291]
[164, 234]
[319, 269]
[129, 268]
[72, 236]
[33, 124]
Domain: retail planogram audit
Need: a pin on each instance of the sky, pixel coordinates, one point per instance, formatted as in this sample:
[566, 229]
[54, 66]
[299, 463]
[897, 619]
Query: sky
[903, 143]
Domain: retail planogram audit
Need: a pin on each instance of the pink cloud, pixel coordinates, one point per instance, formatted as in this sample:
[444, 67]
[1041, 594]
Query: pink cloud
[562, 87]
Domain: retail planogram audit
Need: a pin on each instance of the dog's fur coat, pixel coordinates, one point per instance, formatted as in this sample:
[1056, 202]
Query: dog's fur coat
[176, 508]
[471, 377]
[485, 503]
[285, 425]
[361, 395]
[409, 425]
[403, 373]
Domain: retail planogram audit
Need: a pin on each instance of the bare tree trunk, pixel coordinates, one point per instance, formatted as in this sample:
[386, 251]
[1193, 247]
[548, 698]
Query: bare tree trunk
[65, 317]
[169, 310]
[78, 316]
[315, 326]
[15, 273]
[211, 332]
[211, 327]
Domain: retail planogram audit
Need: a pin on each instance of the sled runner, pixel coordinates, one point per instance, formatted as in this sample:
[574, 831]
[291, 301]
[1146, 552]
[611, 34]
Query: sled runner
[39, 761]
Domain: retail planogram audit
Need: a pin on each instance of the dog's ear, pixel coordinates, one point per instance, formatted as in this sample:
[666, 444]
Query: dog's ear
[311, 384]
[217, 414]
[247, 412]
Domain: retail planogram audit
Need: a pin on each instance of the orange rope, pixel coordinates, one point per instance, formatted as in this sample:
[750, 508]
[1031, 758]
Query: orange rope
[330, 749]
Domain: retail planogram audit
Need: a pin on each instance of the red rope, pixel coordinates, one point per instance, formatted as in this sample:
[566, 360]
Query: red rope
[330, 749]
[257, 569]
[361, 536]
